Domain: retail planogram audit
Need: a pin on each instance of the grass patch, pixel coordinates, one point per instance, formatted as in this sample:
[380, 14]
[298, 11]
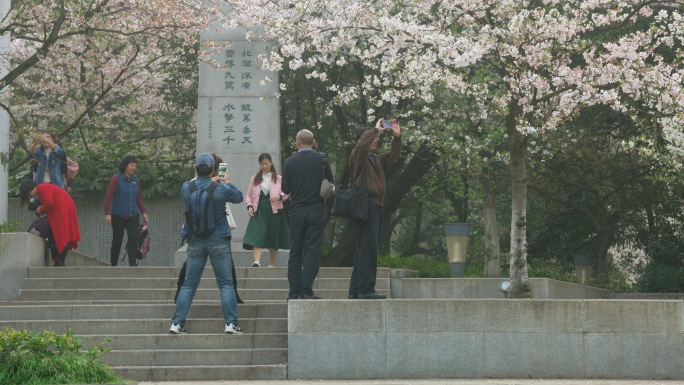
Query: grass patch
[31, 358]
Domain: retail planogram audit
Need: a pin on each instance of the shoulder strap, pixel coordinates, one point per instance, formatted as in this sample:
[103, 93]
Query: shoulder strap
[324, 160]
[211, 188]
[193, 187]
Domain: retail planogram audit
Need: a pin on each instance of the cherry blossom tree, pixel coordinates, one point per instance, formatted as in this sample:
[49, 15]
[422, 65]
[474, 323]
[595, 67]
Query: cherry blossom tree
[536, 63]
[100, 68]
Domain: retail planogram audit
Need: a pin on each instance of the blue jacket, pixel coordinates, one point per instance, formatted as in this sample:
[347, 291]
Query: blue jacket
[125, 197]
[53, 164]
[224, 193]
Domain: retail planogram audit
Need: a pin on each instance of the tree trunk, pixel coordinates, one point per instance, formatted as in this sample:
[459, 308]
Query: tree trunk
[608, 235]
[411, 173]
[491, 230]
[520, 283]
[398, 186]
[342, 255]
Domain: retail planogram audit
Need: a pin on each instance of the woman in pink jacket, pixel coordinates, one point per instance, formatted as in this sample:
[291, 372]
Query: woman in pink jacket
[267, 227]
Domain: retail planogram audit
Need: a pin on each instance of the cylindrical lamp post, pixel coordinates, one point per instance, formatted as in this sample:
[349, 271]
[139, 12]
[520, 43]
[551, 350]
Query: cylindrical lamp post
[457, 247]
[583, 265]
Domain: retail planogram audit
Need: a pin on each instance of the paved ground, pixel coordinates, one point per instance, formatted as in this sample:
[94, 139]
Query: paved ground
[424, 382]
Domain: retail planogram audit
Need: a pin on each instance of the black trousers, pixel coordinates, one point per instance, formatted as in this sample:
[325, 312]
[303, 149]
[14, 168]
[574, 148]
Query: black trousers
[306, 246]
[366, 259]
[58, 257]
[131, 226]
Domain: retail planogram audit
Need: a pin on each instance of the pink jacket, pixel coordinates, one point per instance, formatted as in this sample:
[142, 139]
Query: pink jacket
[252, 197]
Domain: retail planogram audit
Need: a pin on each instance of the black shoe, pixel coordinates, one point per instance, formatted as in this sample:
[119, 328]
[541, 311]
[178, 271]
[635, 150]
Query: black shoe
[353, 296]
[309, 296]
[373, 295]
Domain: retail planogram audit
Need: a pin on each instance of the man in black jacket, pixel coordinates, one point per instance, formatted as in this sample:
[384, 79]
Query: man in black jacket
[302, 176]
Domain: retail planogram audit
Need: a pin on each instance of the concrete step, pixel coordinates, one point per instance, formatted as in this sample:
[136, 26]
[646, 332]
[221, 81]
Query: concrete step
[146, 326]
[203, 373]
[129, 309]
[146, 272]
[188, 341]
[134, 311]
[171, 283]
[165, 294]
[197, 357]
[245, 258]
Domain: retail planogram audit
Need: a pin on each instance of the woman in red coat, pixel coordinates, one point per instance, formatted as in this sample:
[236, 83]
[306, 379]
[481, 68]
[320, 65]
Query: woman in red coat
[61, 212]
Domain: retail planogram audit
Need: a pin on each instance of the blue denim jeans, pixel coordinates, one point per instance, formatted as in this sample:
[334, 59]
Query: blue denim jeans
[218, 251]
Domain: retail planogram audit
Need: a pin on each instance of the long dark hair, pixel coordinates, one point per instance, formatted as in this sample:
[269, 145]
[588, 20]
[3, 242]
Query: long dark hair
[25, 190]
[217, 160]
[258, 178]
[128, 159]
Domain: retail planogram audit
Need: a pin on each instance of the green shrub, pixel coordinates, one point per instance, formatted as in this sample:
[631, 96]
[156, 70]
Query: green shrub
[9, 227]
[30, 358]
[426, 268]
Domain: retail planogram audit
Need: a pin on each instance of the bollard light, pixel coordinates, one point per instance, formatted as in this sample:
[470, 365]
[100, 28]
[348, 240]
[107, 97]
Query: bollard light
[583, 265]
[457, 246]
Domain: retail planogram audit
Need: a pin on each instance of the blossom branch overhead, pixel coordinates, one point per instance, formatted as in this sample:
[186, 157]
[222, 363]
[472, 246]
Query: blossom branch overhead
[551, 58]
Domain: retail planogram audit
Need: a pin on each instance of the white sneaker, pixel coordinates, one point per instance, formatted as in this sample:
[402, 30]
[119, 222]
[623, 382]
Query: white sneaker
[256, 264]
[233, 329]
[176, 329]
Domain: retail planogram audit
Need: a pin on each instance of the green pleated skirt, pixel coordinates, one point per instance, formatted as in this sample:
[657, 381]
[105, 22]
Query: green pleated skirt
[267, 230]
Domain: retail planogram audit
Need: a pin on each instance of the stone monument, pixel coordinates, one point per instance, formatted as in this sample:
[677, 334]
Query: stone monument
[238, 114]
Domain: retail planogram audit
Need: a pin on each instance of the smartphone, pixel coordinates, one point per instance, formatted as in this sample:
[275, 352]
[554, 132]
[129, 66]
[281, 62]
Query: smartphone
[222, 170]
[387, 123]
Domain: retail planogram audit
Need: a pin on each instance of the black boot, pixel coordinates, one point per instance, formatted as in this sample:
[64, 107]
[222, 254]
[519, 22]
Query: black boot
[239, 300]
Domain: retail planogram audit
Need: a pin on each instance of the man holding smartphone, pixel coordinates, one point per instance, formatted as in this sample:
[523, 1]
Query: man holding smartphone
[363, 159]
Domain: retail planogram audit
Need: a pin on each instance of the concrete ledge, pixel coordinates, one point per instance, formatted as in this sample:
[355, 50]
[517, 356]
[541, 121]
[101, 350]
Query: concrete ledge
[461, 338]
[542, 288]
[19, 252]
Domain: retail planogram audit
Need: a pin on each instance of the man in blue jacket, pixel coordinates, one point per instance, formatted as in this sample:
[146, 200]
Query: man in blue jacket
[216, 246]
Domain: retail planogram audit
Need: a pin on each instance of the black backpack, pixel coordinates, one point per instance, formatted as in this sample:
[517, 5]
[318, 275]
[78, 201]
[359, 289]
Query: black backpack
[199, 217]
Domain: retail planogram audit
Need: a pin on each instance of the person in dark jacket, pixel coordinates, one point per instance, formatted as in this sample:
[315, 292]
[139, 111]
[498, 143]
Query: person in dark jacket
[123, 205]
[363, 159]
[302, 176]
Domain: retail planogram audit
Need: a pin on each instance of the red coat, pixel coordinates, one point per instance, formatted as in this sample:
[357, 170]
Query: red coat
[61, 213]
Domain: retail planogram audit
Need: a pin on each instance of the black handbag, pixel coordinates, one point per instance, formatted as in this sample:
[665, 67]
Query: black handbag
[352, 202]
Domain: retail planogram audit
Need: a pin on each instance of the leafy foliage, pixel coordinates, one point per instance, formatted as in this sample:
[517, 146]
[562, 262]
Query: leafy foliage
[425, 267]
[9, 227]
[31, 358]
[664, 273]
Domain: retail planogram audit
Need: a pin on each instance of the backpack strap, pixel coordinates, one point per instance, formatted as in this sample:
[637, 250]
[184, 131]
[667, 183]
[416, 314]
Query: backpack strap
[208, 215]
[212, 187]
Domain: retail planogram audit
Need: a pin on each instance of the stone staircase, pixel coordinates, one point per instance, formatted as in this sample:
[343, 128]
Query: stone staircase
[132, 308]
